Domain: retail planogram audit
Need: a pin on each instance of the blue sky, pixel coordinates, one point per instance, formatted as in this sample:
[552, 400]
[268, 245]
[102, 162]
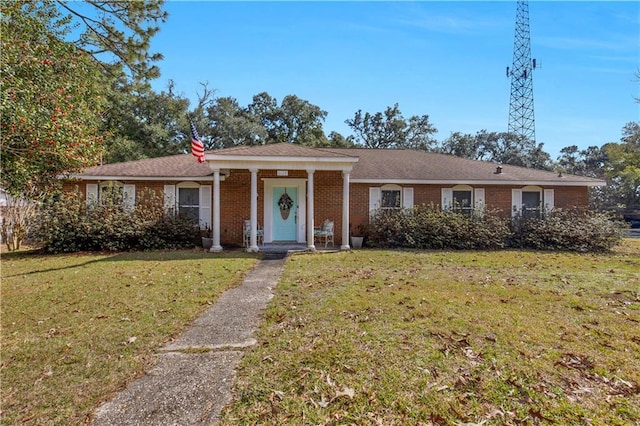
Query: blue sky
[443, 59]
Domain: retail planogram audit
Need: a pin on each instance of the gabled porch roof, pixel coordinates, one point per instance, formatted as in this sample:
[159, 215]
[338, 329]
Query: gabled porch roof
[280, 156]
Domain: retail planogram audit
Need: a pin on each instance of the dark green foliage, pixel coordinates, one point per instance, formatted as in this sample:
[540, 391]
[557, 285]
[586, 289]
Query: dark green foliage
[391, 130]
[427, 227]
[68, 224]
[48, 120]
[568, 230]
[498, 147]
[116, 33]
[141, 123]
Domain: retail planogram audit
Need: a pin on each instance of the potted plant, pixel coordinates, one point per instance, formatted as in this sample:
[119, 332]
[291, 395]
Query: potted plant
[358, 235]
[207, 240]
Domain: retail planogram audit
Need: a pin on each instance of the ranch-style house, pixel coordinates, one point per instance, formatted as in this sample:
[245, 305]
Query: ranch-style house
[284, 192]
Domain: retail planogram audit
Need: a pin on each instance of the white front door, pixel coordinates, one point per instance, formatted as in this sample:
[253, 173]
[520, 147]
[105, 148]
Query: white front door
[284, 210]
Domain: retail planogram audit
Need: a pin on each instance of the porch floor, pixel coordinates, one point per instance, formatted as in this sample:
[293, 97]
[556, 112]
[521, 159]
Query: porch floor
[291, 247]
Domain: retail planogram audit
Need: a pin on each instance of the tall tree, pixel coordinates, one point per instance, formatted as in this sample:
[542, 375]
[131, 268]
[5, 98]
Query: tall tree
[300, 122]
[463, 145]
[117, 33]
[617, 163]
[51, 124]
[587, 162]
[624, 166]
[569, 161]
[145, 124]
[265, 108]
[498, 147]
[295, 120]
[337, 140]
[389, 129]
[49, 121]
[231, 125]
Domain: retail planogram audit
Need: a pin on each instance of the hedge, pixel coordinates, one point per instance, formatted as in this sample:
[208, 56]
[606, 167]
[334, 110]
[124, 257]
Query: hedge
[68, 224]
[428, 227]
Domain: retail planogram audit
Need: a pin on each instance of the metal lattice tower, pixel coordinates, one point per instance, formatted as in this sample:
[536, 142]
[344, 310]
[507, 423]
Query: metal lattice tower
[521, 118]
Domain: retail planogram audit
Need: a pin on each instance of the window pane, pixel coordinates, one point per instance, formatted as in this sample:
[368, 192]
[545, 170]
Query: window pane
[189, 204]
[461, 199]
[190, 213]
[391, 199]
[188, 196]
[531, 204]
[531, 199]
[111, 194]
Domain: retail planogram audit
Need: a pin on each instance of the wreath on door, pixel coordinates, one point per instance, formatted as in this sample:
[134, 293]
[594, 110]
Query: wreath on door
[285, 203]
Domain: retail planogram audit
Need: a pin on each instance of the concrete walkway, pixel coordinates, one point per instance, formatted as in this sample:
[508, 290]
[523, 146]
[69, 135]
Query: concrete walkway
[193, 379]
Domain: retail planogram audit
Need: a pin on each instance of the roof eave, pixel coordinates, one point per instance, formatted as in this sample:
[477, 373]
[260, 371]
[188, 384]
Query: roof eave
[280, 159]
[140, 178]
[476, 182]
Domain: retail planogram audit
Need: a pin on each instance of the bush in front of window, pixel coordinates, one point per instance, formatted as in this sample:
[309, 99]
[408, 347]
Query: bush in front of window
[568, 230]
[68, 224]
[428, 227]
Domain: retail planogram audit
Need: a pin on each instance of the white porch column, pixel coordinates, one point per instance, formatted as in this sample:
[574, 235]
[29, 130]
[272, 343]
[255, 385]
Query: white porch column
[253, 239]
[216, 247]
[310, 212]
[345, 211]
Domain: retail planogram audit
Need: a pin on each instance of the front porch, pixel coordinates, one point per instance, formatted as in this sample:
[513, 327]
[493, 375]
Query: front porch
[277, 197]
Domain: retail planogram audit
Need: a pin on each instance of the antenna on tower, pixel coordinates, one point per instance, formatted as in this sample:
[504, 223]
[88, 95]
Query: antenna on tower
[521, 117]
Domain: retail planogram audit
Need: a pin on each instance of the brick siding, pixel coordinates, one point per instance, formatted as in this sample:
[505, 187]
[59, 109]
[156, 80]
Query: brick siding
[235, 194]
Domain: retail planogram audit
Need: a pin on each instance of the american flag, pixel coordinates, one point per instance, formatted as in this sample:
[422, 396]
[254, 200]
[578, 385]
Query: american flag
[197, 148]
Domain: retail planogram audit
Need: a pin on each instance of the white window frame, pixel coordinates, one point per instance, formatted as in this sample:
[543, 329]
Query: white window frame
[462, 188]
[172, 201]
[391, 188]
[95, 191]
[476, 202]
[546, 199]
[375, 197]
[186, 185]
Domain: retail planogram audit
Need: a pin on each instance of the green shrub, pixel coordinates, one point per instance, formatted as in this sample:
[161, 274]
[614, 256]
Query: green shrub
[68, 224]
[568, 230]
[427, 227]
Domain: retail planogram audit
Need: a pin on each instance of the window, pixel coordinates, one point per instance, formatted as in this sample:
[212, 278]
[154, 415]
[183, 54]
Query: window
[390, 199]
[531, 203]
[191, 201]
[189, 204]
[463, 198]
[112, 193]
[462, 201]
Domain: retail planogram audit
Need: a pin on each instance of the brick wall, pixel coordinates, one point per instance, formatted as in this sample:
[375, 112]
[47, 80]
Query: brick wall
[571, 196]
[496, 198]
[235, 198]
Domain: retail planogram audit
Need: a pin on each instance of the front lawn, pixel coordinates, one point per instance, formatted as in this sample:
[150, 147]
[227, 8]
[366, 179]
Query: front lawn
[78, 328]
[399, 338]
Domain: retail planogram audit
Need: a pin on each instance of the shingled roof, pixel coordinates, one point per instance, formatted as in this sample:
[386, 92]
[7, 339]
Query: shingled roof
[174, 166]
[280, 150]
[373, 165]
[419, 166]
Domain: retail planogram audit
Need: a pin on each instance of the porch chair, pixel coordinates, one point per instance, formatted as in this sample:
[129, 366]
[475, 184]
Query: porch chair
[246, 234]
[325, 233]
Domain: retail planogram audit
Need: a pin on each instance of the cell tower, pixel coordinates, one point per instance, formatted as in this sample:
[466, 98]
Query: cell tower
[521, 118]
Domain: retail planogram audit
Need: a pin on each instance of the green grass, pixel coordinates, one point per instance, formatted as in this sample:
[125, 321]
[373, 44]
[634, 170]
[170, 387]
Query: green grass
[78, 328]
[395, 338]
